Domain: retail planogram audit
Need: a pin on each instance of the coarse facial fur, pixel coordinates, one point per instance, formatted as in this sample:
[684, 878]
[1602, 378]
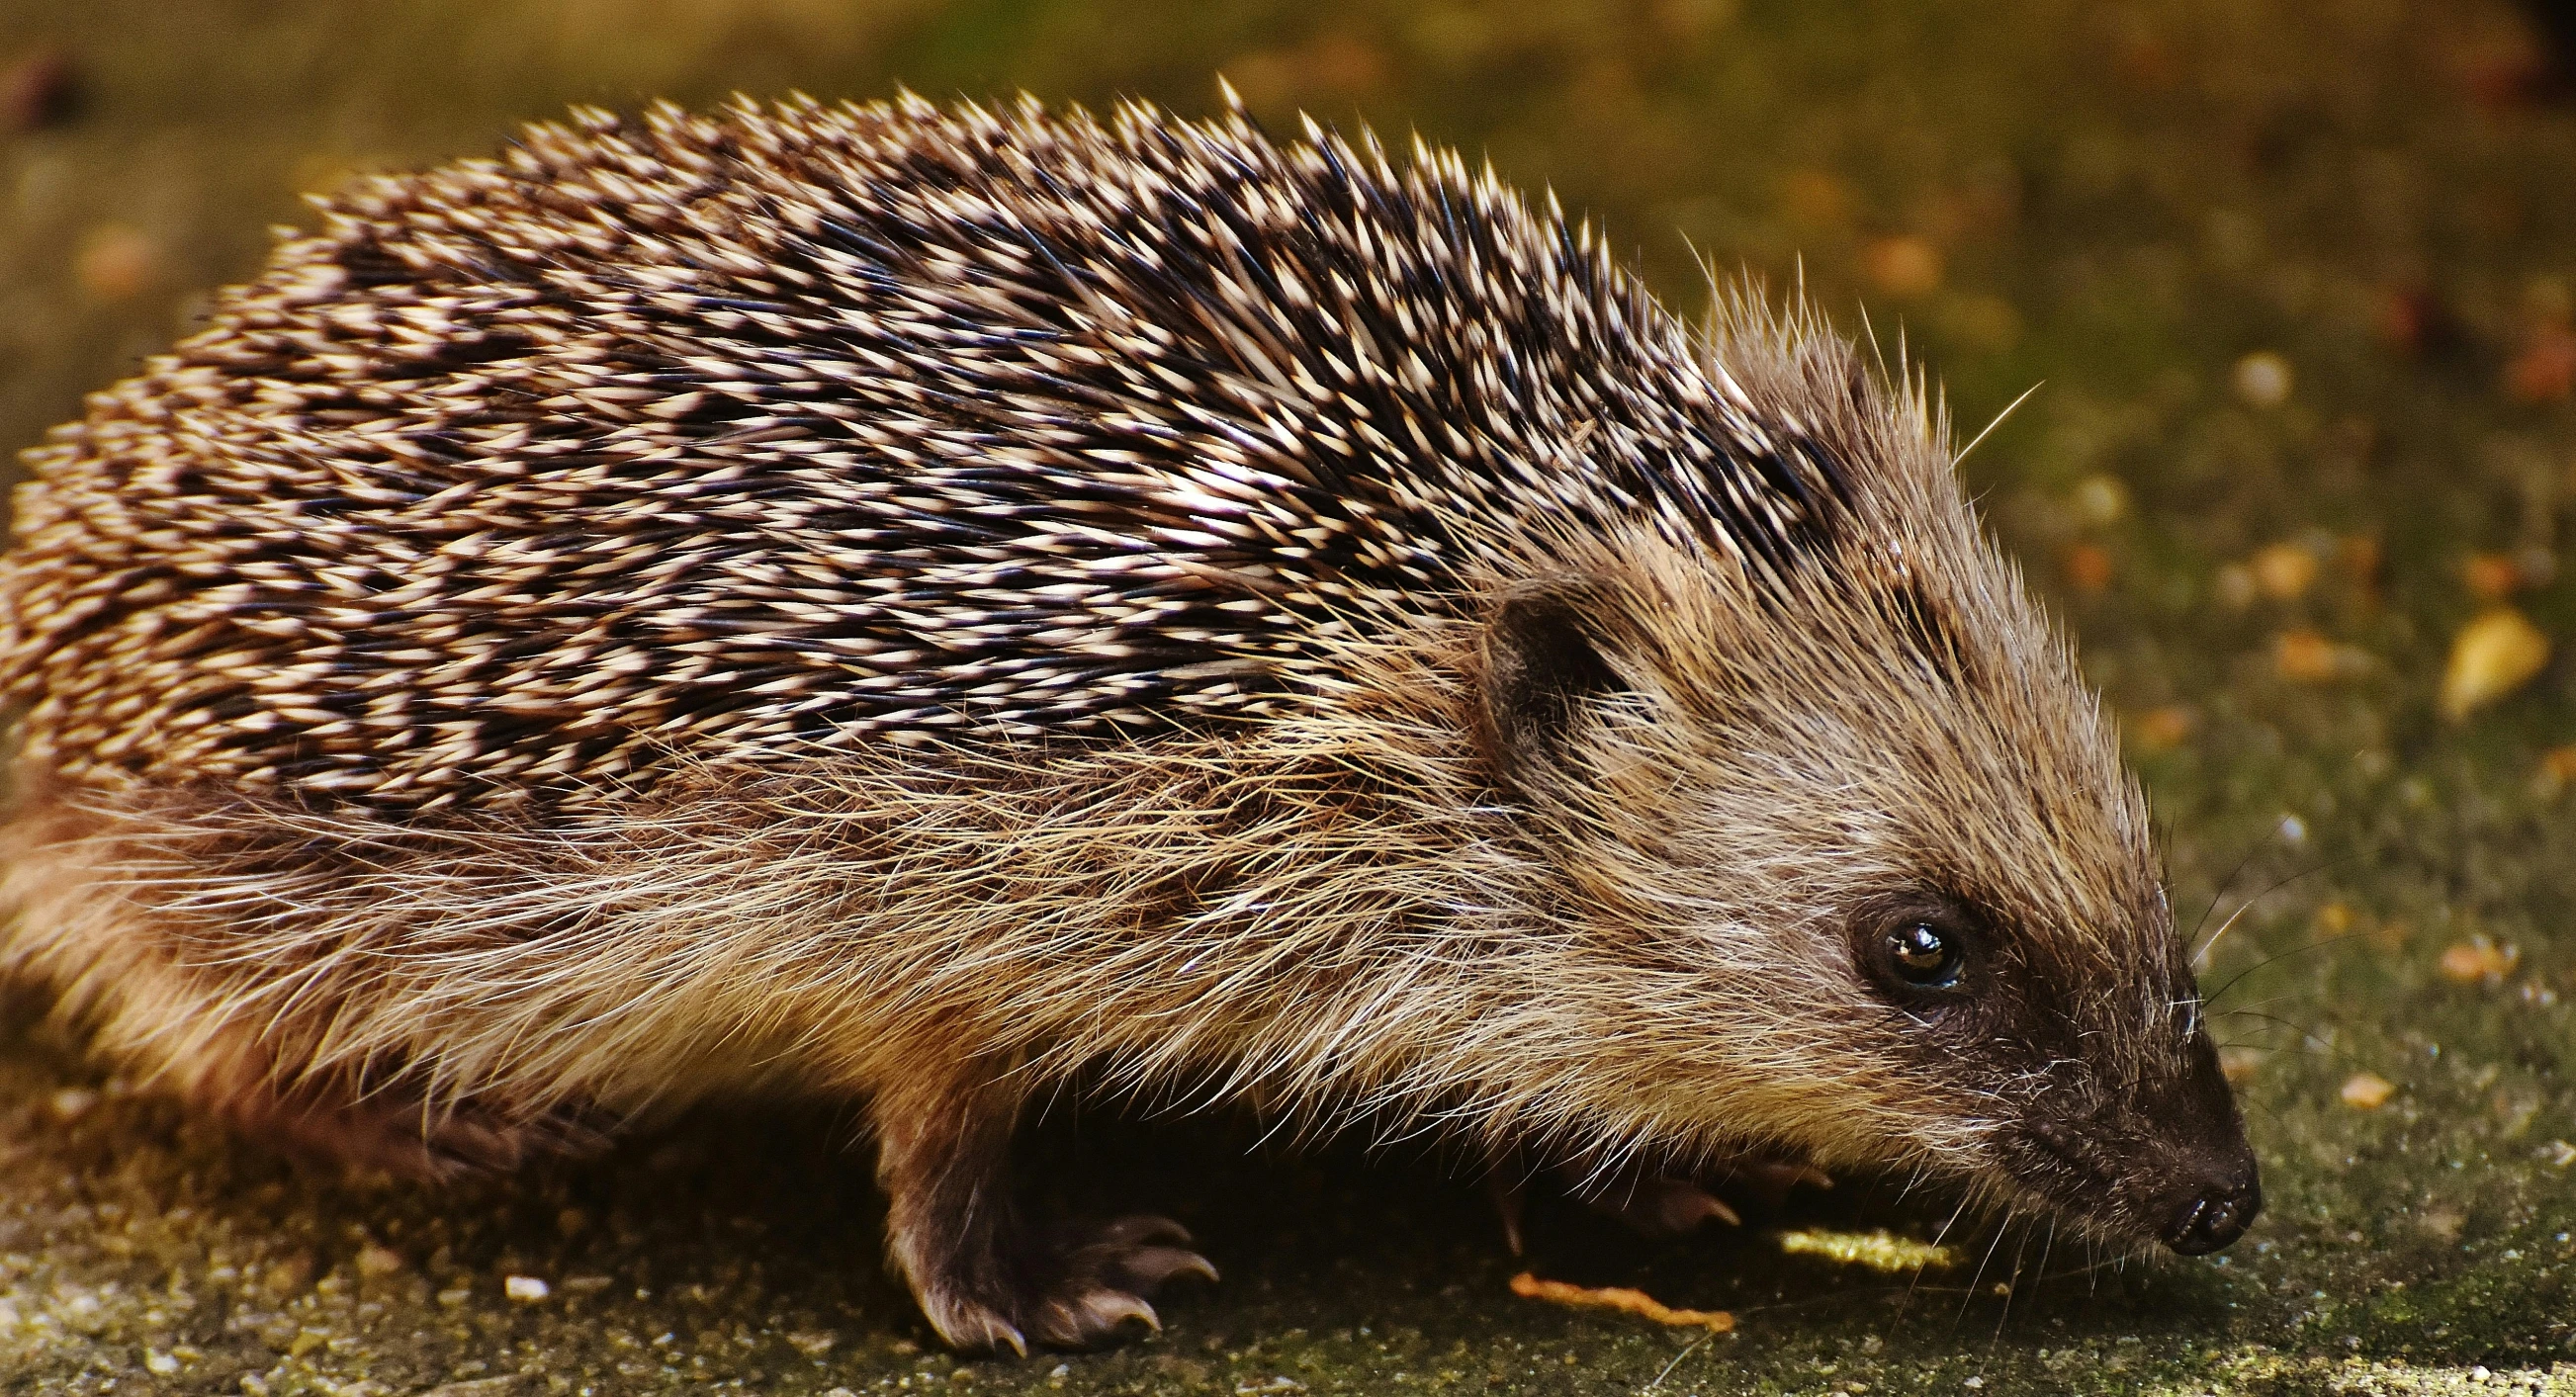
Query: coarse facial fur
[921, 606]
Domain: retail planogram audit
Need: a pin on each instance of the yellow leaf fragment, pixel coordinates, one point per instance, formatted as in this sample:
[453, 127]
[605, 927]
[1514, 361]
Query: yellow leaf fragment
[1879, 1251]
[2308, 657]
[2479, 959]
[2160, 729]
[2491, 657]
[2367, 1091]
[1621, 1298]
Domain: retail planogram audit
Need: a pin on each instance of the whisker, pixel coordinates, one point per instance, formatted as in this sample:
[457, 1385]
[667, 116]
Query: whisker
[2239, 976]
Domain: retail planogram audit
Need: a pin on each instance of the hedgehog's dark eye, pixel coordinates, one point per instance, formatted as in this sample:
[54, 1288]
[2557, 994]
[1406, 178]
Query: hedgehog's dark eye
[1916, 953]
[1923, 957]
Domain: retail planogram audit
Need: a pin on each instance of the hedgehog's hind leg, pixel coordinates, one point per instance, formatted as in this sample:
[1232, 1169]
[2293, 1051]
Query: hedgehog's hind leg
[331, 1120]
[985, 1278]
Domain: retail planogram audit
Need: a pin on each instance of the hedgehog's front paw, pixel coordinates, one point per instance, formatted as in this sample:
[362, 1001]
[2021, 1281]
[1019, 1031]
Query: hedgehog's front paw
[1077, 1286]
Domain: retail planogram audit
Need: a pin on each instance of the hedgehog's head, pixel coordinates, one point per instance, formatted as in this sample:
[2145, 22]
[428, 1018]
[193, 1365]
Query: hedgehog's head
[1857, 865]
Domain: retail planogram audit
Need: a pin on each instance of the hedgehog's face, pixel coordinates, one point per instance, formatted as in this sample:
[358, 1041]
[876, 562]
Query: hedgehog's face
[1892, 906]
[2104, 1106]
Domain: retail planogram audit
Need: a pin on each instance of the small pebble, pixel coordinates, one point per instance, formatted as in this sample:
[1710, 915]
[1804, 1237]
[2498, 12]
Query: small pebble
[2100, 500]
[2262, 379]
[2284, 571]
[375, 1262]
[2491, 657]
[2367, 1091]
[527, 1290]
[2235, 586]
[71, 1103]
[159, 1363]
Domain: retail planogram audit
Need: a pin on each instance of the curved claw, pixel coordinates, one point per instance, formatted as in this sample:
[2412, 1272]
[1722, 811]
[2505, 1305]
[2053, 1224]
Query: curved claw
[1152, 1266]
[1084, 1320]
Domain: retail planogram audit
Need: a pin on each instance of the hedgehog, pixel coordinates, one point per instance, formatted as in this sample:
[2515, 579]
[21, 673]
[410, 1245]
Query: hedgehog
[937, 607]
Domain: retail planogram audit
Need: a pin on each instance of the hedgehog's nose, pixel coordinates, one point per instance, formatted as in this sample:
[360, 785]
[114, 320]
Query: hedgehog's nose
[2213, 1215]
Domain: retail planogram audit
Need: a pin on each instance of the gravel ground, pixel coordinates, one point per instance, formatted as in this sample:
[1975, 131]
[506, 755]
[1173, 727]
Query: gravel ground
[2299, 281]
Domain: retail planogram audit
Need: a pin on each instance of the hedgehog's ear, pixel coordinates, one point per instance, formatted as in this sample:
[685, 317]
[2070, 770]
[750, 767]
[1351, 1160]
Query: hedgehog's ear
[1541, 657]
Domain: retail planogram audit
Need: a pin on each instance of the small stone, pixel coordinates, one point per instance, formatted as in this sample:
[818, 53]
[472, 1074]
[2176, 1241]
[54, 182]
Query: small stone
[2284, 571]
[2367, 1091]
[2262, 379]
[2559, 1153]
[813, 1343]
[2491, 657]
[2099, 500]
[377, 1262]
[71, 1103]
[527, 1290]
[159, 1363]
[2235, 586]
[2479, 959]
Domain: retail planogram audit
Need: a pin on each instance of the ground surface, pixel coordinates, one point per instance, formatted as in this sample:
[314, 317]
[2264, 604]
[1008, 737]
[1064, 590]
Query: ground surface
[2299, 280]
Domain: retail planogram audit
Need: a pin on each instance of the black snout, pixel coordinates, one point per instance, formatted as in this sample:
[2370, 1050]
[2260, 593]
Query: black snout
[2213, 1214]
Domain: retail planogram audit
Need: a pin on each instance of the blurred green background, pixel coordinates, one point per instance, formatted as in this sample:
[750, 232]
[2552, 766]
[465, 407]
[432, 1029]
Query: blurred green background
[2295, 280]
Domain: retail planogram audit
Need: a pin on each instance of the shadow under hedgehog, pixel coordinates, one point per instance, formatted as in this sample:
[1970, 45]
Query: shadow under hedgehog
[925, 606]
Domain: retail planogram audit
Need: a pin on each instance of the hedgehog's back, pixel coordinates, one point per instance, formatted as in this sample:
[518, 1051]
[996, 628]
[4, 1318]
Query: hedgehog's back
[791, 428]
